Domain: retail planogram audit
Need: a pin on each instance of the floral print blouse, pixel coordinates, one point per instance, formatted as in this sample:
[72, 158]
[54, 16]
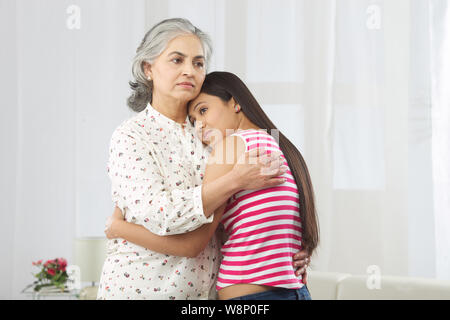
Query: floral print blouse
[156, 167]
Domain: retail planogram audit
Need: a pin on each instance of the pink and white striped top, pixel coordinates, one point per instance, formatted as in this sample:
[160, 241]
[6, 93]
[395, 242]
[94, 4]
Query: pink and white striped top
[264, 229]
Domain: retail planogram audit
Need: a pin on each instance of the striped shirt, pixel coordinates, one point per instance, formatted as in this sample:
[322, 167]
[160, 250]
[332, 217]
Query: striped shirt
[264, 229]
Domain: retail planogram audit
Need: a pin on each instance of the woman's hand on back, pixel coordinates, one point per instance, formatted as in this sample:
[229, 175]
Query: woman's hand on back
[257, 169]
[301, 261]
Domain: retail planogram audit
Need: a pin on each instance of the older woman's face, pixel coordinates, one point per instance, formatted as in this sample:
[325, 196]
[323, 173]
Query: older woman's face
[178, 73]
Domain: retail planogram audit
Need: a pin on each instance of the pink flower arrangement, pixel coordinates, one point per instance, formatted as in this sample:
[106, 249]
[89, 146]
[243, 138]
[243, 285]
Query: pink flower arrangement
[52, 274]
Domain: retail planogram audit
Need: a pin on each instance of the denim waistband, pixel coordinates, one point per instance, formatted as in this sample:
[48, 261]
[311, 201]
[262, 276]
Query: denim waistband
[278, 294]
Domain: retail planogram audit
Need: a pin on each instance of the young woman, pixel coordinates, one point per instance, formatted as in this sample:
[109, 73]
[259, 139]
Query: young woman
[265, 227]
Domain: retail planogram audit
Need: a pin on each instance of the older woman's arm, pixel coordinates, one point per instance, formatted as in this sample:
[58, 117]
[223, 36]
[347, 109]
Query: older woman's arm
[189, 244]
[139, 185]
[184, 245]
[192, 243]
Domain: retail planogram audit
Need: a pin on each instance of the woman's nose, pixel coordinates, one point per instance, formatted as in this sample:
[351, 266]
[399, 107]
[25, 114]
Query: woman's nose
[199, 128]
[188, 69]
[199, 125]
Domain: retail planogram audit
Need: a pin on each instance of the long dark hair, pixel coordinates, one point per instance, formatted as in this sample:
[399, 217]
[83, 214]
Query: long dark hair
[226, 85]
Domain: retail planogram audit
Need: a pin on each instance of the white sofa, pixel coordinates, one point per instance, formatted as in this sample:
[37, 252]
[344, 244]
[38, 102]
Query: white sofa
[344, 286]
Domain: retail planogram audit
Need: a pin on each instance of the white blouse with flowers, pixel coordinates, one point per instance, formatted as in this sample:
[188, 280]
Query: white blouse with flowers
[156, 167]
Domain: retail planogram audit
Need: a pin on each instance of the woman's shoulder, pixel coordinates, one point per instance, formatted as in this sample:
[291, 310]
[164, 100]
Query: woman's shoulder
[134, 128]
[227, 151]
[254, 138]
[223, 157]
[248, 133]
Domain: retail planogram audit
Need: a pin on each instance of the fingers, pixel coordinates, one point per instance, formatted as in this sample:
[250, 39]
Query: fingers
[275, 166]
[264, 160]
[107, 229]
[276, 171]
[269, 171]
[107, 233]
[117, 213]
[300, 263]
[108, 223]
[255, 156]
[274, 159]
[301, 255]
[274, 182]
[301, 271]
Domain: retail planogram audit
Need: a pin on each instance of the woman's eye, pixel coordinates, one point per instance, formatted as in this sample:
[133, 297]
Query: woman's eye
[201, 110]
[199, 64]
[176, 60]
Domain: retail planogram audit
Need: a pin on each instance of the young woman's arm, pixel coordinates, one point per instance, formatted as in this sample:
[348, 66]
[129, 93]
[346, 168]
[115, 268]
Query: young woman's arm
[192, 243]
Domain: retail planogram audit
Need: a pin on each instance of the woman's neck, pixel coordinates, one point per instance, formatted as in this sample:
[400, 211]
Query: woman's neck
[171, 108]
[245, 124]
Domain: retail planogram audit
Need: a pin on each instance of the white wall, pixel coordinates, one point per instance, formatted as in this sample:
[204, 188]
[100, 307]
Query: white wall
[8, 142]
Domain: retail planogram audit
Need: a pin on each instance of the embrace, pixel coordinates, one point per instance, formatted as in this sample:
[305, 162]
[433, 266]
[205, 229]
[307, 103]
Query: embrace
[212, 201]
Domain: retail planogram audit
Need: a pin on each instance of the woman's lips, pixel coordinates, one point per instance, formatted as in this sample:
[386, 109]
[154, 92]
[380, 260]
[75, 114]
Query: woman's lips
[186, 85]
[206, 134]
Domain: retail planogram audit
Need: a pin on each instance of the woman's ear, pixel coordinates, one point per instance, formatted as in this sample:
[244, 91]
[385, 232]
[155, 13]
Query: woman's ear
[147, 67]
[233, 104]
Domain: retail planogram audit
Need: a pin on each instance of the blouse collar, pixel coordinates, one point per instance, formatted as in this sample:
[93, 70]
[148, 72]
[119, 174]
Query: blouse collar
[150, 111]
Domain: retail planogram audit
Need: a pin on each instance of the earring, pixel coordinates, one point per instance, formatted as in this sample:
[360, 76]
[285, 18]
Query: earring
[237, 108]
[149, 78]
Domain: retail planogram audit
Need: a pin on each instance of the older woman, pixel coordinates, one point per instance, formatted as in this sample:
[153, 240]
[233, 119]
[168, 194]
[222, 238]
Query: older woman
[156, 167]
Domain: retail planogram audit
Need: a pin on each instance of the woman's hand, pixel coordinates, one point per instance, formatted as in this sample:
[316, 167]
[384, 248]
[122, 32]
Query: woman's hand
[301, 261]
[256, 169]
[110, 230]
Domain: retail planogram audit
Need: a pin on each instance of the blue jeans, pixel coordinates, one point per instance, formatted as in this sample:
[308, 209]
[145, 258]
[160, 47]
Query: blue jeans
[279, 294]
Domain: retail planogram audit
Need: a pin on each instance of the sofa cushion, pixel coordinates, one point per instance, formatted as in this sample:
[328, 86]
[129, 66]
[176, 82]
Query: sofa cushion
[392, 288]
[323, 285]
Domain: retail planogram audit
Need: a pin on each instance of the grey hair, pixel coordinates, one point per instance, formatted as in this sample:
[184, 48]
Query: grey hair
[154, 43]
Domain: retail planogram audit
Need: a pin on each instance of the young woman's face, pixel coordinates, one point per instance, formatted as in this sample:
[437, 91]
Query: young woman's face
[178, 73]
[212, 117]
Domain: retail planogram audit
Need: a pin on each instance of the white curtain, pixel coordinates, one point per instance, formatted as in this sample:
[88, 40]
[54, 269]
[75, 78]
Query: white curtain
[360, 86]
[348, 81]
[65, 71]
[440, 99]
